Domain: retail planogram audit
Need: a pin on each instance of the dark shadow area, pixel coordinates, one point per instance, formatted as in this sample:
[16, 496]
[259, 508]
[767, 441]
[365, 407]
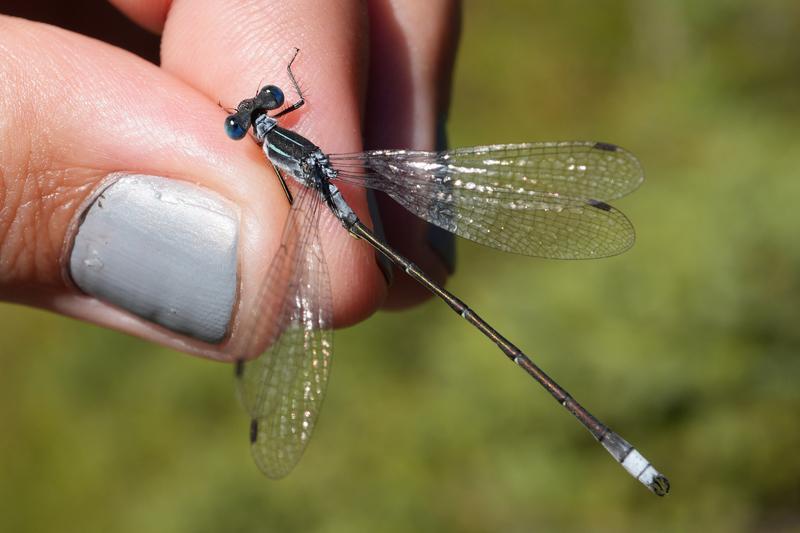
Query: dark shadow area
[94, 18]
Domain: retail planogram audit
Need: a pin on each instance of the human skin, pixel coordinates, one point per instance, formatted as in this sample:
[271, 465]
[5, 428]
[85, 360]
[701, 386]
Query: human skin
[74, 110]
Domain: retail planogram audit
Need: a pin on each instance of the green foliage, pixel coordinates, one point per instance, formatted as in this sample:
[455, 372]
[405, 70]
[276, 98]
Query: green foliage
[688, 345]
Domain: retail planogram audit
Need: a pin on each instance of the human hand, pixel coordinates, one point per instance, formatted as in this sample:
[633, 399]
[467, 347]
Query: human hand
[123, 203]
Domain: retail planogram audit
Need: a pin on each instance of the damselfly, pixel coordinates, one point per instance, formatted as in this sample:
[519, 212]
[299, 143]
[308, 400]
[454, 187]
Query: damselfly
[539, 199]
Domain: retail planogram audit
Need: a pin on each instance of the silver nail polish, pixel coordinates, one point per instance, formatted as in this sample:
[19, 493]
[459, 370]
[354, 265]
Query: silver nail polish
[162, 249]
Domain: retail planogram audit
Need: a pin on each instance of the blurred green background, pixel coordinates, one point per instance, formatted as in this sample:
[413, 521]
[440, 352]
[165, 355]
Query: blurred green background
[687, 345]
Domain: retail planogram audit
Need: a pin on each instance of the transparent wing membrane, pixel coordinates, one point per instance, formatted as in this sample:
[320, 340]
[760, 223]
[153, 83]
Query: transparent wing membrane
[538, 199]
[283, 389]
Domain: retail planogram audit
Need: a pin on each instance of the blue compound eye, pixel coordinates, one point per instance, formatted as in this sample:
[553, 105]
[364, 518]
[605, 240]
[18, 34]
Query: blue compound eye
[270, 97]
[234, 128]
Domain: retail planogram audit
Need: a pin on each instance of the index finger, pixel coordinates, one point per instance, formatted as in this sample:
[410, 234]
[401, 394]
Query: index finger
[227, 51]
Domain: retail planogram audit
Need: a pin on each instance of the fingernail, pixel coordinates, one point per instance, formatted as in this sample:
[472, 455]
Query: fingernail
[442, 242]
[162, 249]
[377, 227]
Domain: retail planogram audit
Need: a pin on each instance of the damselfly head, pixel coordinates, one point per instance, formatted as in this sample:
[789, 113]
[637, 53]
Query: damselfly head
[269, 97]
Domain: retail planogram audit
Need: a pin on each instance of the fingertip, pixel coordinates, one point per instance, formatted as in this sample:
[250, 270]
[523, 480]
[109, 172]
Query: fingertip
[129, 212]
[244, 46]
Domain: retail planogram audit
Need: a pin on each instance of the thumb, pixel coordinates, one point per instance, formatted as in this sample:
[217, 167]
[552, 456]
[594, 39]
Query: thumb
[121, 199]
